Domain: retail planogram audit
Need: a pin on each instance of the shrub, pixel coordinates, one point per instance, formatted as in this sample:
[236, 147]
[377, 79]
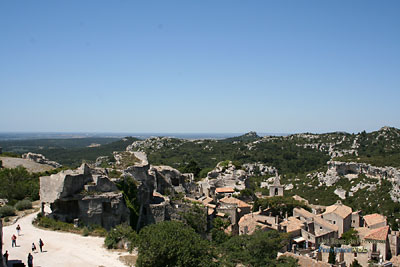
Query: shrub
[23, 205]
[7, 211]
[85, 231]
[121, 233]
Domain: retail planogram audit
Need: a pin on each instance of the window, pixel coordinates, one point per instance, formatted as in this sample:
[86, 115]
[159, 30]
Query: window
[334, 222]
[320, 228]
[355, 254]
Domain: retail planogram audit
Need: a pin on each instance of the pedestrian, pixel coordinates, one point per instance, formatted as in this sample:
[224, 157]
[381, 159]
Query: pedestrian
[41, 244]
[13, 241]
[33, 247]
[30, 260]
[6, 257]
[18, 229]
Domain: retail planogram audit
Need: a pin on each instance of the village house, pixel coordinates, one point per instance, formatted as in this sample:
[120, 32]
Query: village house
[255, 220]
[374, 220]
[340, 215]
[242, 207]
[224, 191]
[315, 229]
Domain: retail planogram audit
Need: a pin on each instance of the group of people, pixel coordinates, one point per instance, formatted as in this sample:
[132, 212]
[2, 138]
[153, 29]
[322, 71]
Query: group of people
[14, 244]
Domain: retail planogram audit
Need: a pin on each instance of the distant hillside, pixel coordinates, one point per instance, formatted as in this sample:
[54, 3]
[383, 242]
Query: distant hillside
[22, 146]
[69, 152]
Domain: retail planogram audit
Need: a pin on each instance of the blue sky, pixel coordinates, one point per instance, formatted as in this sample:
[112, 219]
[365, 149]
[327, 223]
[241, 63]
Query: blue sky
[199, 66]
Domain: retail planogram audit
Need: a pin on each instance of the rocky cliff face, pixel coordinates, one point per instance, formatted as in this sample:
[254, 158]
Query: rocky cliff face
[350, 170]
[152, 179]
[80, 194]
[39, 158]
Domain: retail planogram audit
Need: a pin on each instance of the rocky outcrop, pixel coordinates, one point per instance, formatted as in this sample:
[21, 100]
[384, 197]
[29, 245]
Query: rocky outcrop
[350, 170]
[153, 179]
[170, 179]
[100, 161]
[81, 195]
[39, 158]
[259, 169]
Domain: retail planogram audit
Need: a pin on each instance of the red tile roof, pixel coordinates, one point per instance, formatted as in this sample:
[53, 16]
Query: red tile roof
[224, 190]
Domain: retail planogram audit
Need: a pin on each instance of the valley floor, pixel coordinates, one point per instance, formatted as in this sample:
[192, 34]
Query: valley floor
[60, 249]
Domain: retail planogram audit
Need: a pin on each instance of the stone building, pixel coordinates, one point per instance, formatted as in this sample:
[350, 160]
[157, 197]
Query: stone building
[276, 189]
[373, 221]
[340, 215]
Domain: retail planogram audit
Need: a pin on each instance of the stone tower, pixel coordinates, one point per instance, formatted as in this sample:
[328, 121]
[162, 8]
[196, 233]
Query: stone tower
[276, 189]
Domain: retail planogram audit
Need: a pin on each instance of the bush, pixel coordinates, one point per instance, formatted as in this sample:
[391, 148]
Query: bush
[54, 224]
[23, 205]
[7, 211]
[121, 233]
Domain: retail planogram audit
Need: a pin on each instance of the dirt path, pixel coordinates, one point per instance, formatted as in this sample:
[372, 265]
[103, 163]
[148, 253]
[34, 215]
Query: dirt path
[60, 249]
[9, 162]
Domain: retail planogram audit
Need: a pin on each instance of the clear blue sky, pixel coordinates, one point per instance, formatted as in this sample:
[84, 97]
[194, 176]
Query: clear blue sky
[199, 66]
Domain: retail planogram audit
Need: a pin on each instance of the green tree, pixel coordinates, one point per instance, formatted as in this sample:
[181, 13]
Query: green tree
[196, 218]
[192, 167]
[172, 243]
[130, 193]
[355, 263]
[285, 261]
[258, 249]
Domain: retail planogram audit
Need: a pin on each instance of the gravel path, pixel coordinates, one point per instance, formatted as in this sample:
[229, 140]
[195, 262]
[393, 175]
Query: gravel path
[31, 166]
[60, 249]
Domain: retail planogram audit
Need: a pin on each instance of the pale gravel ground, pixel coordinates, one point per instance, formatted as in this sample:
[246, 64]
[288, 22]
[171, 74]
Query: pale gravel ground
[31, 166]
[63, 249]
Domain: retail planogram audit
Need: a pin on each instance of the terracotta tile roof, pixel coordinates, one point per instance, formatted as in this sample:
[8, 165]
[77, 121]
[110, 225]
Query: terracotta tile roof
[378, 233]
[211, 206]
[207, 200]
[233, 200]
[307, 261]
[224, 190]
[292, 224]
[374, 218]
[193, 200]
[253, 221]
[304, 213]
[342, 210]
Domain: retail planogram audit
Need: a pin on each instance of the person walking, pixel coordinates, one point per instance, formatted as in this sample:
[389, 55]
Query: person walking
[30, 260]
[6, 257]
[41, 244]
[18, 229]
[13, 241]
[33, 247]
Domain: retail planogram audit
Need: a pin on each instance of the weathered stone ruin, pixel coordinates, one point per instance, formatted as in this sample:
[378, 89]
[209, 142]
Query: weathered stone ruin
[80, 195]
[155, 207]
[39, 158]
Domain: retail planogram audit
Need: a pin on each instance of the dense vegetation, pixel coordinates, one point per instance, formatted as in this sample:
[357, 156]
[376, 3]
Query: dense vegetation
[173, 243]
[22, 146]
[69, 152]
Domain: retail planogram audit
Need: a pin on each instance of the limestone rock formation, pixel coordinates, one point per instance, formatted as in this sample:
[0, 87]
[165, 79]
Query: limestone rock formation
[79, 194]
[351, 170]
[39, 158]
